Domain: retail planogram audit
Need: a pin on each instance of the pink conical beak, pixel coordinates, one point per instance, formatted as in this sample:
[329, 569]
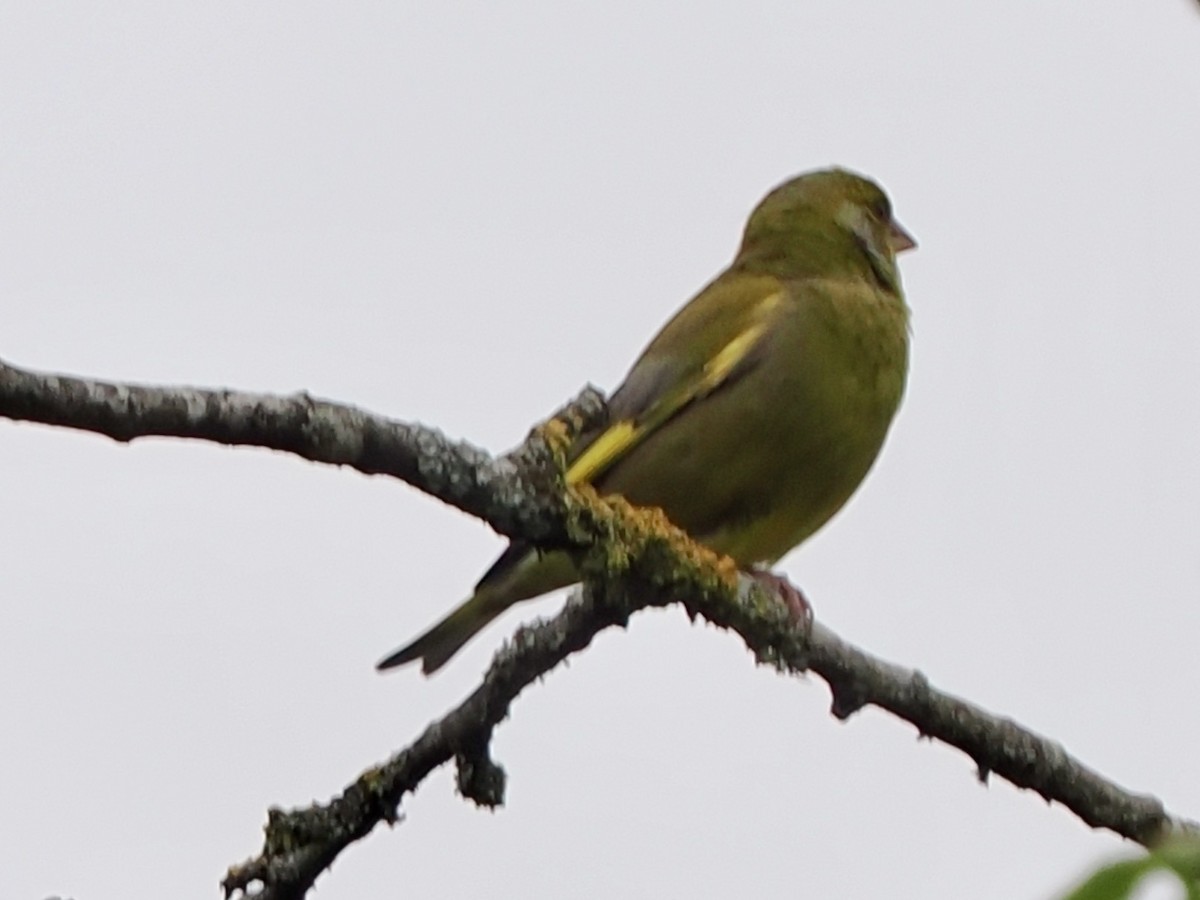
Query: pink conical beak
[900, 239]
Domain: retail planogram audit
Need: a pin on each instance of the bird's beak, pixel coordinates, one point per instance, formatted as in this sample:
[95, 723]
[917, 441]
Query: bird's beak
[899, 239]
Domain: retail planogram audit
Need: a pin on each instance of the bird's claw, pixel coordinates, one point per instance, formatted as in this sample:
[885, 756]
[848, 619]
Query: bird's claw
[799, 609]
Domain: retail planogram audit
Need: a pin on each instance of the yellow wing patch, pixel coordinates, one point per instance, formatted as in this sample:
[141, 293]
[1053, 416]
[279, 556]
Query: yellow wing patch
[718, 368]
[603, 451]
[621, 436]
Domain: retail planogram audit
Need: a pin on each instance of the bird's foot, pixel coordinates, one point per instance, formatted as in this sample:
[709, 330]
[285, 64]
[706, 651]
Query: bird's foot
[799, 609]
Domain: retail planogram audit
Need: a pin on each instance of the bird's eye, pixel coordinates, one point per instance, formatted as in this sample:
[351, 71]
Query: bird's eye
[881, 209]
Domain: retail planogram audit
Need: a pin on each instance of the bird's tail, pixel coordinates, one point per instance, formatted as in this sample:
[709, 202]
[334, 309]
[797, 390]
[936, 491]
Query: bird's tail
[435, 647]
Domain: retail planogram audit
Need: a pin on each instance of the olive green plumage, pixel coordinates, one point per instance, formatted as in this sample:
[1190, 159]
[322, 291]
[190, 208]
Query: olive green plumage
[757, 410]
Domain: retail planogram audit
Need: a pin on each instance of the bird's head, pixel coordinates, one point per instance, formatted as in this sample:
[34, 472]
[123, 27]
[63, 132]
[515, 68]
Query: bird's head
[825, 222]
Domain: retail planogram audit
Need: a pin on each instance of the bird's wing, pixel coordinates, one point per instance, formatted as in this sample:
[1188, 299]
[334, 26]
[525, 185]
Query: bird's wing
[709, 344]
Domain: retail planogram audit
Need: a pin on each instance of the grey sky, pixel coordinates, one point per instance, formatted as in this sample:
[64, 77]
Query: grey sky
[460, 217]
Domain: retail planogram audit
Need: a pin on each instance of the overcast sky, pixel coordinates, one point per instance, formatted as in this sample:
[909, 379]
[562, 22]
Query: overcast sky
[461, 216]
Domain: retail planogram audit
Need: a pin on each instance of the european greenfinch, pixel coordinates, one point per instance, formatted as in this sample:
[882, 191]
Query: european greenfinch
[757, 410]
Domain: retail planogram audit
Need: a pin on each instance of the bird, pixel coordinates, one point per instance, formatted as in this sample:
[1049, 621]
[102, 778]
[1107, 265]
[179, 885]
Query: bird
[756, 411]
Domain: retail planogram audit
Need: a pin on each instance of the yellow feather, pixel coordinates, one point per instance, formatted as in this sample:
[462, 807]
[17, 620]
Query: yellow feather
[718, 368]
[603, 451]
[621, 436]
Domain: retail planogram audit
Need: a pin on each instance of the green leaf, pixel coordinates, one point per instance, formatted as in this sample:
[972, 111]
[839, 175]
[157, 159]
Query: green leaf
[1117, 881]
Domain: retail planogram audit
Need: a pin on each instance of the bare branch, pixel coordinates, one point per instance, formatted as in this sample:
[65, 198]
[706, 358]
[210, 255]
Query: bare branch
[301, 843]
[504, 492]
[630, 559]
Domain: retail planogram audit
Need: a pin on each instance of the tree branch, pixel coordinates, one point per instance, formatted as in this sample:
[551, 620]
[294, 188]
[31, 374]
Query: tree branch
[301, 843]
[509, 493]
[630, 559]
